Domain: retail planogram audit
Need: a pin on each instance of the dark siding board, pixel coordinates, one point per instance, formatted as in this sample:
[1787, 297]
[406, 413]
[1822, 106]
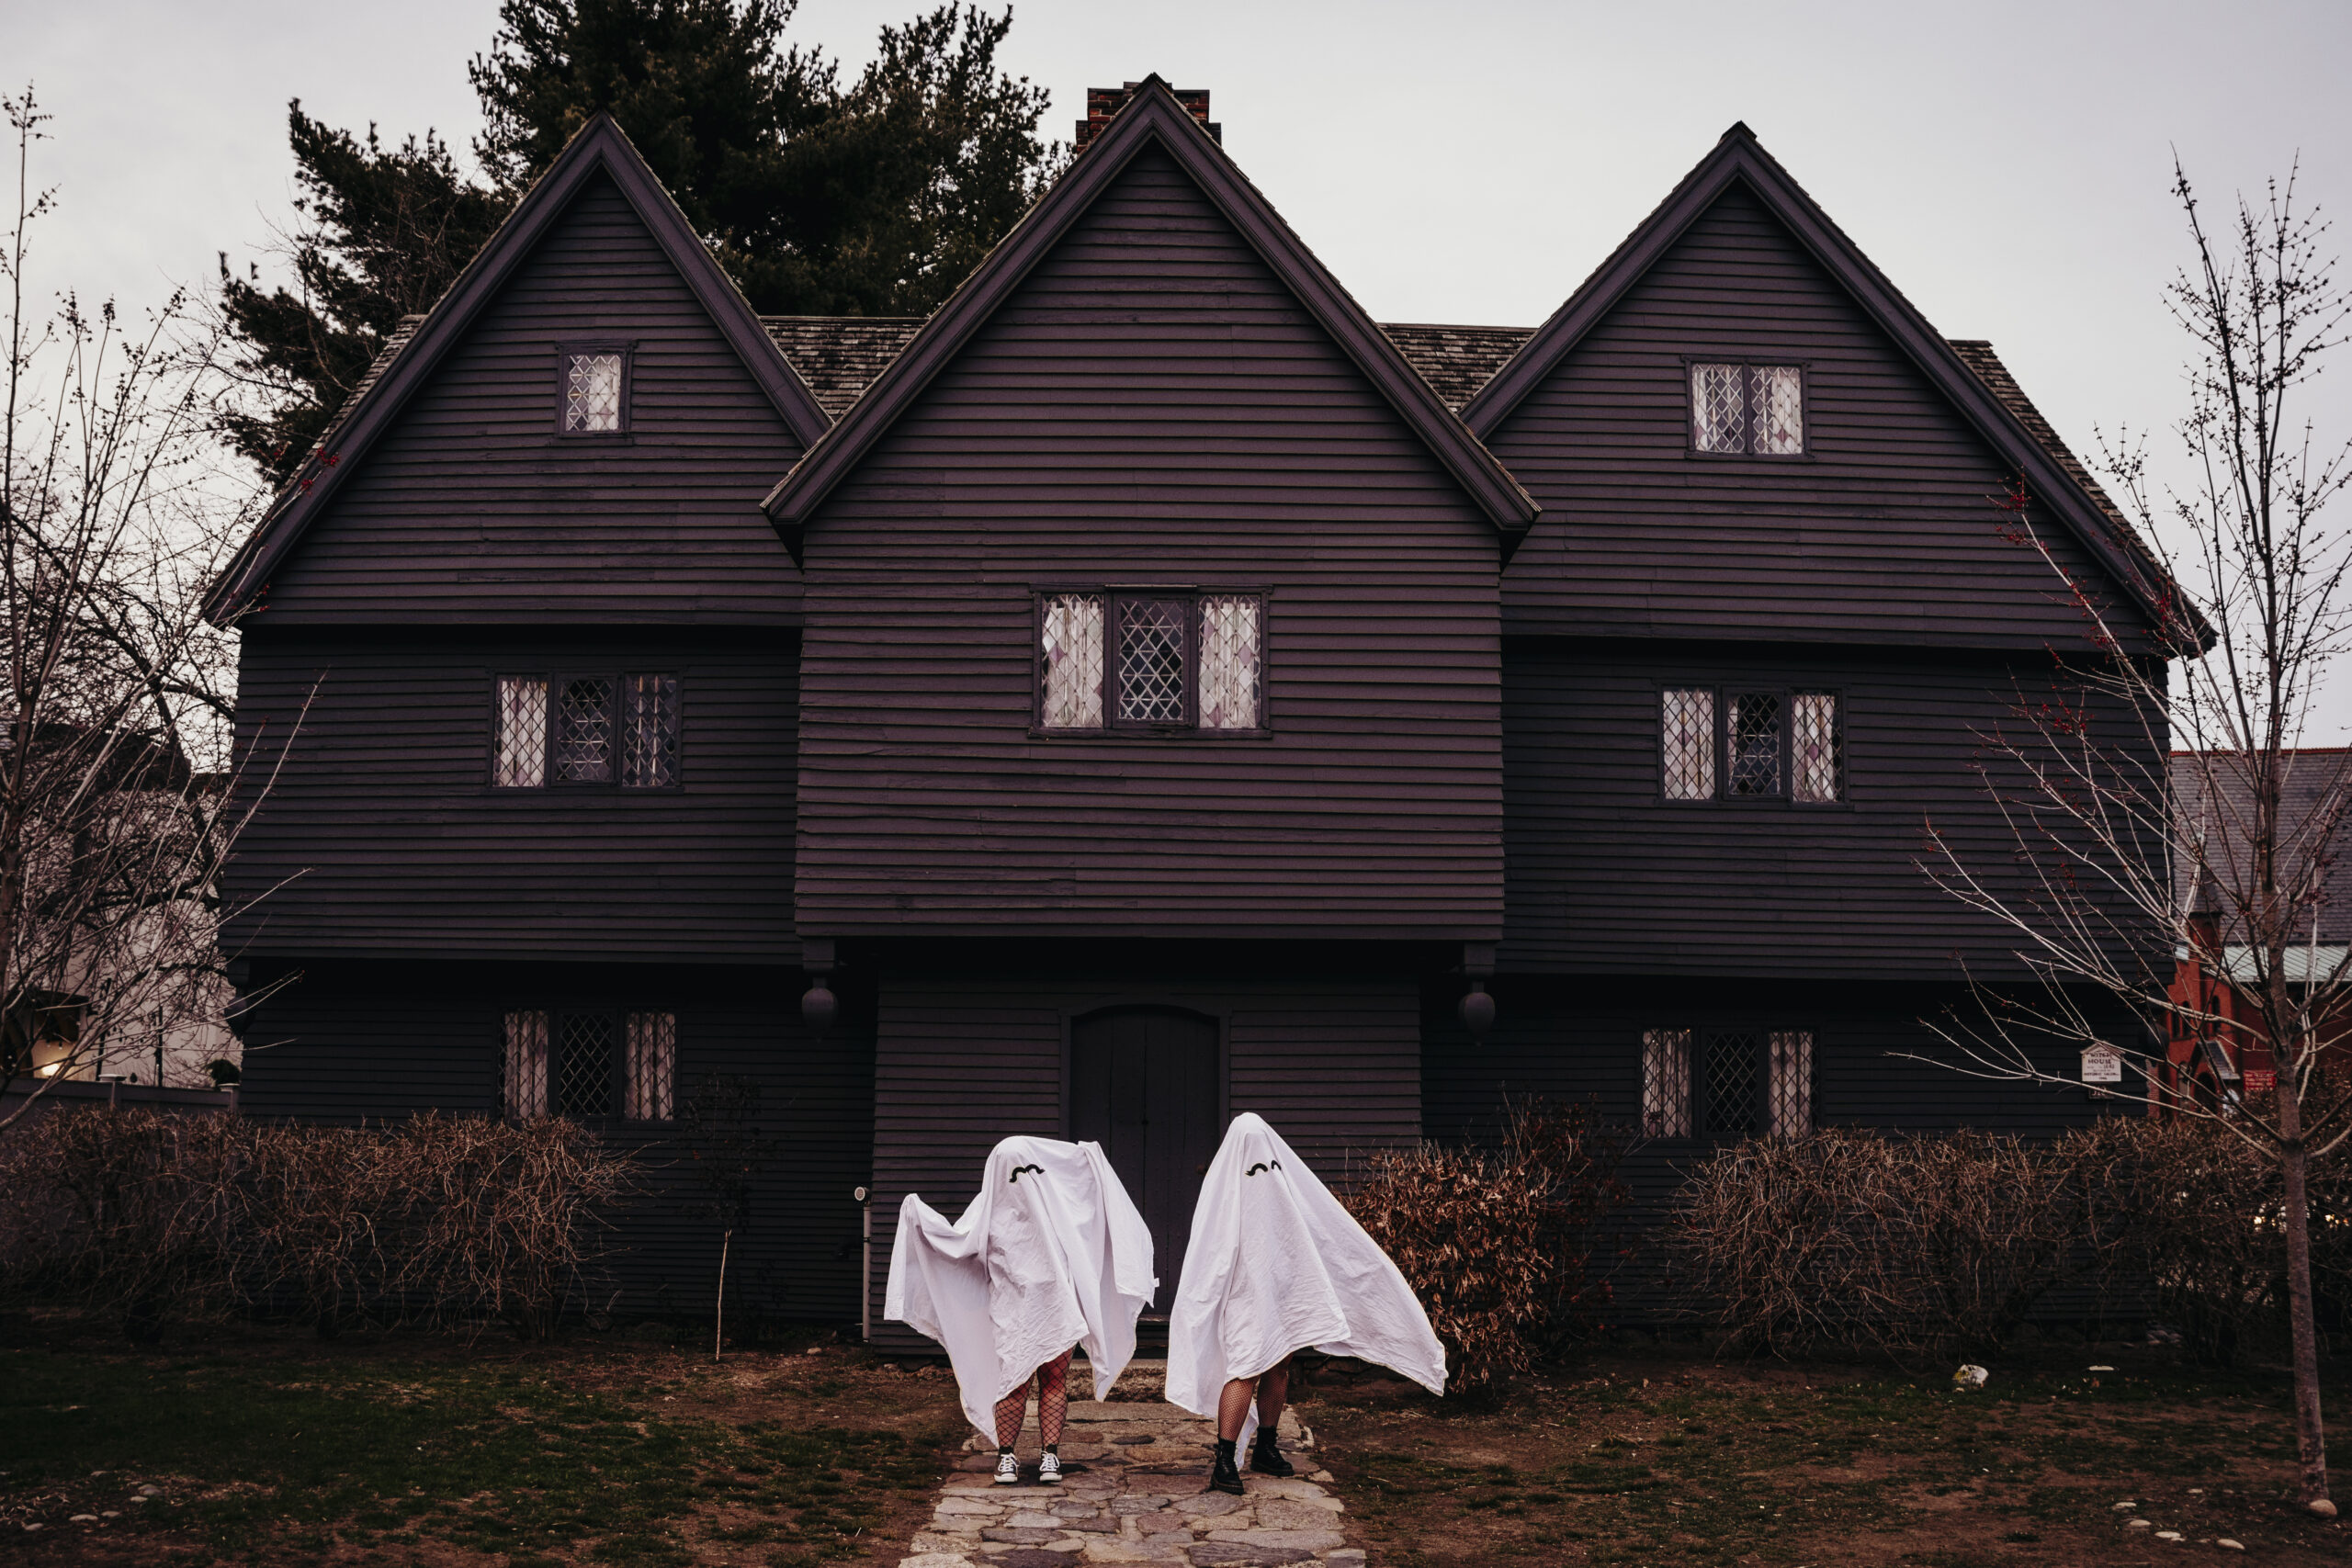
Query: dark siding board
[1605, 877]
[1886, 534]
[470, 508]
[348, 1042]
[1151, 405]
[381, 835]
[1334, 1066]
[1579, 1042]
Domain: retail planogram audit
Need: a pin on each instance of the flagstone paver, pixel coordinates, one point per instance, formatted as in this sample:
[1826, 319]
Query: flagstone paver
[1136, 1491]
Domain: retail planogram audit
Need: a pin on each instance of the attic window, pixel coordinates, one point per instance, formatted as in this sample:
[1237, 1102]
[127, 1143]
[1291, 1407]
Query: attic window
[1747, 409]
[595, 391]
[1170, 661]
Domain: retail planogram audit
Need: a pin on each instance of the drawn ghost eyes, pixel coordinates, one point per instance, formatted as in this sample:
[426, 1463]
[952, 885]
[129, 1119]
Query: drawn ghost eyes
[1018, 1168]
[1260, 1165]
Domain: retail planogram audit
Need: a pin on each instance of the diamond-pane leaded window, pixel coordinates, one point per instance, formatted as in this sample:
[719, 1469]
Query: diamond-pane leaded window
[523, 1078]
[1788, 1099]
[1747, 408]
[1228, 661]
[1718, 422]
[592, 393]
[1776, 407]
[1687, 742]
[1753, 738]
[1731, 1084]
[1666, 1083]
[1069, 662]
[584, 732]
[1151, 661]
[521, 759]
[649, 1083]
[583, 1065]
[1816, 763]
[649, 738]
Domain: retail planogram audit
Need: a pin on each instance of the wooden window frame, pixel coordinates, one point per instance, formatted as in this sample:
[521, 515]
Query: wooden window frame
[564, 353]
[1747, 453]
[1112, 595]
[617, 1079]
[1722, 693]
[557, 678]
[1695, 1112]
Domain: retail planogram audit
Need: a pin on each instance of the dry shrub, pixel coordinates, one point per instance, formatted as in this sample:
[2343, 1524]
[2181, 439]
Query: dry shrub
[1495, 1242]
[433, 1221]
[1907, 1245]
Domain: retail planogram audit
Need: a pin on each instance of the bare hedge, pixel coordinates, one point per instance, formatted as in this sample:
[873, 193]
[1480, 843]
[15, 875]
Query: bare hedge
[1937, 1243]
[431, 1220]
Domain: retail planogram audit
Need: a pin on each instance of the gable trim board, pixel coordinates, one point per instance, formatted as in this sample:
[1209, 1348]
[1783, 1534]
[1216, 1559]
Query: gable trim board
[1739, 160]
[1152, 117]
[599, 147]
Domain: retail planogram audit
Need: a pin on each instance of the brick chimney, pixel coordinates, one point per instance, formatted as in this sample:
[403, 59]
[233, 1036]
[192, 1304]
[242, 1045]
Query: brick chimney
[1101, 103]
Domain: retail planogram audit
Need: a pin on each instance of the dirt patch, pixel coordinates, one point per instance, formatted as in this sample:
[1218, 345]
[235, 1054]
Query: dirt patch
[1662, 1457]
[273, 1447]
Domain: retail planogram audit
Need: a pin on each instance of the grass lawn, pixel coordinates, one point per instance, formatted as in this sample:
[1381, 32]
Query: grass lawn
[273, 1447]
[1668, 1459]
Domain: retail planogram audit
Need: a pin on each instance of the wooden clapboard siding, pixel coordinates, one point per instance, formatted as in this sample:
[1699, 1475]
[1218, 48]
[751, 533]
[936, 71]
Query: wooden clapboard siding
[344, 1042]
[1151, 405]
[1579, 1042]
[380, 834]
[471, 508]
[1607, 877]
[1334, 1065]
[1885, 533]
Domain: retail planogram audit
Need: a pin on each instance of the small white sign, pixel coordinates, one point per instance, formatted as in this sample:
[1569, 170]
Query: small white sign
[2102, 1064]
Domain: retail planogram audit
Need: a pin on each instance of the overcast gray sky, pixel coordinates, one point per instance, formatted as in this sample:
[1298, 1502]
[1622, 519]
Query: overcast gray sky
[2007, 164]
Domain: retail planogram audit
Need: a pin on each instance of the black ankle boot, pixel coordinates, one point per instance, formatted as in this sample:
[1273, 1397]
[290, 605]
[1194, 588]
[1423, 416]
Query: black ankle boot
[1266, 1459]
[1224, 1474]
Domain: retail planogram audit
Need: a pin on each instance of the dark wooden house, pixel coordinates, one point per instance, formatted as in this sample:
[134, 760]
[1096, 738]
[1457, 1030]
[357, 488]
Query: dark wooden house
[1146, 689]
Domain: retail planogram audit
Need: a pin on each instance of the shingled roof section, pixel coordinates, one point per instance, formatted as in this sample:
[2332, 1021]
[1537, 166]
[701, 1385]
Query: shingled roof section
[838, 356]
[2215, 800]
[1455, 361]
[1978, 356]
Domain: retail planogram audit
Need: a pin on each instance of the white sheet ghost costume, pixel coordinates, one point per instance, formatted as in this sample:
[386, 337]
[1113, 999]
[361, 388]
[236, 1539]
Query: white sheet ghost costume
[1050, 1254]
[1276, 1264]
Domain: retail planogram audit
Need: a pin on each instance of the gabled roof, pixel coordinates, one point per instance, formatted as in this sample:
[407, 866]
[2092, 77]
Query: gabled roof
[599, 147]
[1738, 160]
[2213, 799]
[1456, 361]
[1152, 117]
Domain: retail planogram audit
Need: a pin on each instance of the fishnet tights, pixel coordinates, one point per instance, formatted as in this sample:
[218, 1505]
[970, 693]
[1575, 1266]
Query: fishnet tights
[1053, 1404]
[1272, 1389]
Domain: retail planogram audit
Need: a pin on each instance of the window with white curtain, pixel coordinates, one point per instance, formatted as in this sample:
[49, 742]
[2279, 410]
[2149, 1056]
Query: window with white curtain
[1752, 410]
[1168, 661]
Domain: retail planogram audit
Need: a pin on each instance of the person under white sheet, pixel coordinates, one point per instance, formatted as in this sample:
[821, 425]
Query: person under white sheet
[1051, 1253]
[1276, 1264]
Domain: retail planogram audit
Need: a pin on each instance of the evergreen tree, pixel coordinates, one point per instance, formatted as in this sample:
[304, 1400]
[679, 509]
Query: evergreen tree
[873, 198]
[384, 230]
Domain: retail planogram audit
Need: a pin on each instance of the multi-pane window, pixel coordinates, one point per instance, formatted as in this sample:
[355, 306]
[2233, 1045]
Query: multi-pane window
[1750, 745]
[1727, 1083]
[1163, 662]
[1666, 1083]
[594, 386]
[585, 729]
[1756, 410]
[564, 1063]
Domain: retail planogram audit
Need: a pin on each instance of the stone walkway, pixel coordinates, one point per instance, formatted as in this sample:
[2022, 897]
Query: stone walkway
[1134, 1490]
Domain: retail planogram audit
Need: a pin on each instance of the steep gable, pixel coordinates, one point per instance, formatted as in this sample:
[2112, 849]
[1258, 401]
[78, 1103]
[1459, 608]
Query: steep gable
[1151, 401]
[1886, 531]
[445, 492]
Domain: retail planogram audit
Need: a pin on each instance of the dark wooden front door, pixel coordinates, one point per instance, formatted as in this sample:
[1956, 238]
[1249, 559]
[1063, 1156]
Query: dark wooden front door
[1144, 1085]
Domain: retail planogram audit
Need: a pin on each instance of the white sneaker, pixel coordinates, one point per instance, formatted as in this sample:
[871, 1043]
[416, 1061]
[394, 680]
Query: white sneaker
[1049, 1470]
[1008, 1470]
